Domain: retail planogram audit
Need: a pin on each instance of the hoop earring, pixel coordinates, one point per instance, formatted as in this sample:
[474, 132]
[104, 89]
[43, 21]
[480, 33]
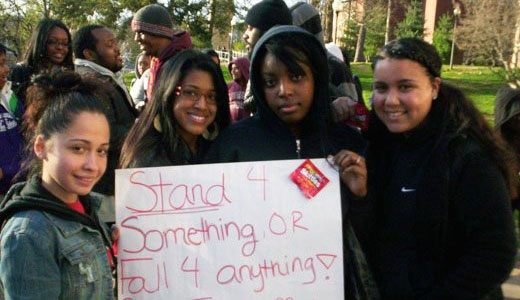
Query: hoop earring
[157, 123]
[211, 135]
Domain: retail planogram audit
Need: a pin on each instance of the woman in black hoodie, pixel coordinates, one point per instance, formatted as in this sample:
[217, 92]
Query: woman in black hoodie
[437, 177]
[288, 127]
[289, 80]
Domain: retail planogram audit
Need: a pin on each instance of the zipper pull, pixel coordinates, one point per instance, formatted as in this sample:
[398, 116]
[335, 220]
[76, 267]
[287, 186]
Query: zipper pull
[298, 148]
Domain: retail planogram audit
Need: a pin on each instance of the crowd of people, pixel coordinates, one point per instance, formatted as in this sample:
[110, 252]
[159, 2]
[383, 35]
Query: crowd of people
[427, 189]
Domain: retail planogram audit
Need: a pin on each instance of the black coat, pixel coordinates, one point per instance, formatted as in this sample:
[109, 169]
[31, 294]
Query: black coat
[443, 227]
[121, 116]
[266, 137]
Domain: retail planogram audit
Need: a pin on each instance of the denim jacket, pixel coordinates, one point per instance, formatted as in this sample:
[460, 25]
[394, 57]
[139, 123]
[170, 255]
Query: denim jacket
[43, 256]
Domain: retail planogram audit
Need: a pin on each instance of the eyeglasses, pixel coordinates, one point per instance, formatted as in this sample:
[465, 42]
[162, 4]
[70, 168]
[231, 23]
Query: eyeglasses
[54, 43]
[195, 95]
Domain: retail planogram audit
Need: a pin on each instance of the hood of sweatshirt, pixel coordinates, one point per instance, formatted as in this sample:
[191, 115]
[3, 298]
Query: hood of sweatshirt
[317, 120]
[242, 64]
[31, 195]
[507, 105]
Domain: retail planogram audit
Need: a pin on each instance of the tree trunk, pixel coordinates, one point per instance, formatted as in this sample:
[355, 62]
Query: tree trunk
[212, 8]
[388, 17]
[515, 59]
[359, 57]
[46, 9]
[322, 9]
[328, 16]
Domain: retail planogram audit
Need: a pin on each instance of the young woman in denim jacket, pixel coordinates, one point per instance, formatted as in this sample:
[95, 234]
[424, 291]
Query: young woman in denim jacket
[52, 244]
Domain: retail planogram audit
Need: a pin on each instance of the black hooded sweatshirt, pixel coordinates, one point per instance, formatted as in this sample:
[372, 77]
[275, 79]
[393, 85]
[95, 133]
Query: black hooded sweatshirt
[442, 220]
[31, 195]
[266, 137]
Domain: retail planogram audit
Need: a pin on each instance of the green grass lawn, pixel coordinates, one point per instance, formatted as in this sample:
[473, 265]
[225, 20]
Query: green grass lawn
[479, 84]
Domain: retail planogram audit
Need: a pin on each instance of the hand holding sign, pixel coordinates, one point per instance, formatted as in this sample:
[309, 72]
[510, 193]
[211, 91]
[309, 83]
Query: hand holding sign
[228, 231]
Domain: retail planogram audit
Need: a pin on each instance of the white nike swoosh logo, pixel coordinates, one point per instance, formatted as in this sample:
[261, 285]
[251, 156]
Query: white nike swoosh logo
[405, 190]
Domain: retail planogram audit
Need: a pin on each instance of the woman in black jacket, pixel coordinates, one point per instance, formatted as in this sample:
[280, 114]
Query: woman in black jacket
[289, 81]
[437, 179]
[293, 121]
[49, 51]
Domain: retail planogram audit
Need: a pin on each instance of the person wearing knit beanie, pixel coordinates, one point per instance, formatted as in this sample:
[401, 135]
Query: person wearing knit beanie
[306, 16]
[268, 13]
[157, 37]
[346, 106]
[261, 17]
[153, 27]
[153, 19]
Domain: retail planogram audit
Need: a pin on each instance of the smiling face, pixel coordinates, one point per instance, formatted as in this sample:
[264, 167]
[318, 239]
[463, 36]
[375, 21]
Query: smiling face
[287, 94]
[150, 44]
[235, 72]
[57, 46]
[403, 93]
[74, 160]
[193, 113]
[107, 52]
[143, 63]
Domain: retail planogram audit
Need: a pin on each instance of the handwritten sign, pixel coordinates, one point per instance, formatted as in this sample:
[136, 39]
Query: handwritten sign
[228, 231]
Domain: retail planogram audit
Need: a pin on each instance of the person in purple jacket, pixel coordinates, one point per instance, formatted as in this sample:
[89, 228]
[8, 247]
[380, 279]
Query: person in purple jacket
[11, 111]
[239, 70]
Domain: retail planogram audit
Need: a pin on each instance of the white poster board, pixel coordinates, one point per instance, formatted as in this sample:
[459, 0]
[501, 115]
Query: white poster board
[228, 231]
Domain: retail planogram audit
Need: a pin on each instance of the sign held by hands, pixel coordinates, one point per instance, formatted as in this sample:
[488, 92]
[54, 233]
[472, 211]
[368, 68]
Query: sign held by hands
[228, 231]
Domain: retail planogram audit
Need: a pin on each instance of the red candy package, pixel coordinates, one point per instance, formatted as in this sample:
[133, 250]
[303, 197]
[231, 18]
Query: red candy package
[360, 118]
[309, 179]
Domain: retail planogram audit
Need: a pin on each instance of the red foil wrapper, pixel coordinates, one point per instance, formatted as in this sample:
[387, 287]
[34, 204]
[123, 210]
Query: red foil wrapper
[360, 118]
[309, 179]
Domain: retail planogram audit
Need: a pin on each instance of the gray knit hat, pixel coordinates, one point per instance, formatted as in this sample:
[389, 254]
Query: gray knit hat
[306, 16]
[153, 19]
[268, 13]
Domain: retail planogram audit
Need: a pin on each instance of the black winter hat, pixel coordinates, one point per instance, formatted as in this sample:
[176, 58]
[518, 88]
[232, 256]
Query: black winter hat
[153, 19]
[269, 13]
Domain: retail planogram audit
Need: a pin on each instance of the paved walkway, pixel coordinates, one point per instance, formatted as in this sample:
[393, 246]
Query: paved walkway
[511, 287]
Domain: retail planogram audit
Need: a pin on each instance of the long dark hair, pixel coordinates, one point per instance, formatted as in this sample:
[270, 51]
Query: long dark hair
[452, 109]
[64, 95]
[36, 56]
[144, 139]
